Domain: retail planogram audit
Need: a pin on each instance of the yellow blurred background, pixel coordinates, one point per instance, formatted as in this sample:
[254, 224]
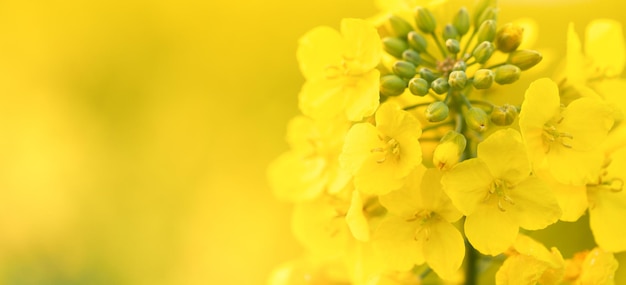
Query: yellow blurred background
[134, 135]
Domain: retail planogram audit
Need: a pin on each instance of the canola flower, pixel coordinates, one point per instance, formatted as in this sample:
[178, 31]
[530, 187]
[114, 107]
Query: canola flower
[402, 171]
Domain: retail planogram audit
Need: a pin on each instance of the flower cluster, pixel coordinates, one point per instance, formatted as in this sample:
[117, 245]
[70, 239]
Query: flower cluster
[400, 166]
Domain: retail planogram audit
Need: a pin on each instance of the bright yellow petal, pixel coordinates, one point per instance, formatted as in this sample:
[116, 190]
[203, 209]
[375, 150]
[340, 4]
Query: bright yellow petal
[392, 121]
[362, 48]
[490, 230]
[520, 270]
[573, 167]
[318, 50]
[435, 199]
[607, 217]
[395, 243]
[406, 200]
[356, 219]
[535, 205]
[505, 155]
[604, 45]
[588, 120]
[444, 250]
[572, 199]
[541, 104]
[363, 97]
[467, 184]
[358, 145]
[598, 268]
[324, 98]
[316, 226]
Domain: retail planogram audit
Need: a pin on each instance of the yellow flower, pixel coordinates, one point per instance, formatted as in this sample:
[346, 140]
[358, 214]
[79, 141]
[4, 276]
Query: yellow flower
[596, 267]
[607, 205]
[497, 194]
[531, 263]
[418, 227]
[381, 156]
[311, 166]
[564, 141]
[340, 70]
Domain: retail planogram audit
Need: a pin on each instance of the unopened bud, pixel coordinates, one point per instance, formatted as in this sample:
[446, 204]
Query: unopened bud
[483, 52]
[399, 27]
[392, 85]
[457, 79]
[412, 57]
[459, 65]
[440, 85]
[450, 32]
[417, 41]
[404, 69]
[490, 13]
[504, 115]
[509, 37]
[461, 21]
[507, 74]
[436, 112]
[453, 46]
[427, 74]
[394, 46]
[449, 150]
[487, 31]
[419, 86]
[476, 119]
[425, 20]
[524, 59]
[480, 8]
[483, 78]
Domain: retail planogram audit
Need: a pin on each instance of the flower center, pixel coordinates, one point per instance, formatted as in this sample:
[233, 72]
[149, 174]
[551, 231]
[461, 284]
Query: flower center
[391, 148]
[500, 189]
[551, 134]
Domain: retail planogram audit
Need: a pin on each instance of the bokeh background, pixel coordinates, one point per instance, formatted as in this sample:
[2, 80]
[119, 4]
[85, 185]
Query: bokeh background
[134, 135]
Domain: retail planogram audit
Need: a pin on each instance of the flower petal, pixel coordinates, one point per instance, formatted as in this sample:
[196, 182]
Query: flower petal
[467, 184]
[505, 155]
[319, 49]
[444, 250]
[357, 223]
[394, 242]
[362, 48]
[535, 205]
[604, 44]
[490, 230]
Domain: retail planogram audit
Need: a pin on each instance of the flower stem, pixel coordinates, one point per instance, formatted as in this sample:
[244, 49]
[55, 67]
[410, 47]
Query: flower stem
[471, 273]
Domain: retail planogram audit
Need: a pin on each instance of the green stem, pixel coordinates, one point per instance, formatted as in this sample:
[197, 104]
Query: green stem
[417, 106]
[484, 103]
[471, 271]
[443, 51]
[496, 65]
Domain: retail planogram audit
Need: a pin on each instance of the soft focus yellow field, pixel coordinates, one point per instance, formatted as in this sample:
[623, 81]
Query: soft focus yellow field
[134, 135]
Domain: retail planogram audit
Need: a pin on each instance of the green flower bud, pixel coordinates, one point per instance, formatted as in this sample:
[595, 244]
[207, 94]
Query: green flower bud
[392, 85]
[412, 57]
[399, 27]
[425, 20]
[504, 115]
[487, 31]
[437, 112]
[461, 21]
[450, 32]
[449, 150]
[476, 119]
[490, 13]
[440, 85]
[419, 86]
[457, 79]
[403, 69]
[459, 65]
[507, 74]
[480, 8]
[483, 52]
[483, 78]
[394, 46]
[453, 46]
[427, 74]
[524, 59]
[509, 37]
[417, 41]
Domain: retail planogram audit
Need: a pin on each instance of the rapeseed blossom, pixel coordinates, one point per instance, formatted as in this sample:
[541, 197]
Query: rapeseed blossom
[404, 171]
